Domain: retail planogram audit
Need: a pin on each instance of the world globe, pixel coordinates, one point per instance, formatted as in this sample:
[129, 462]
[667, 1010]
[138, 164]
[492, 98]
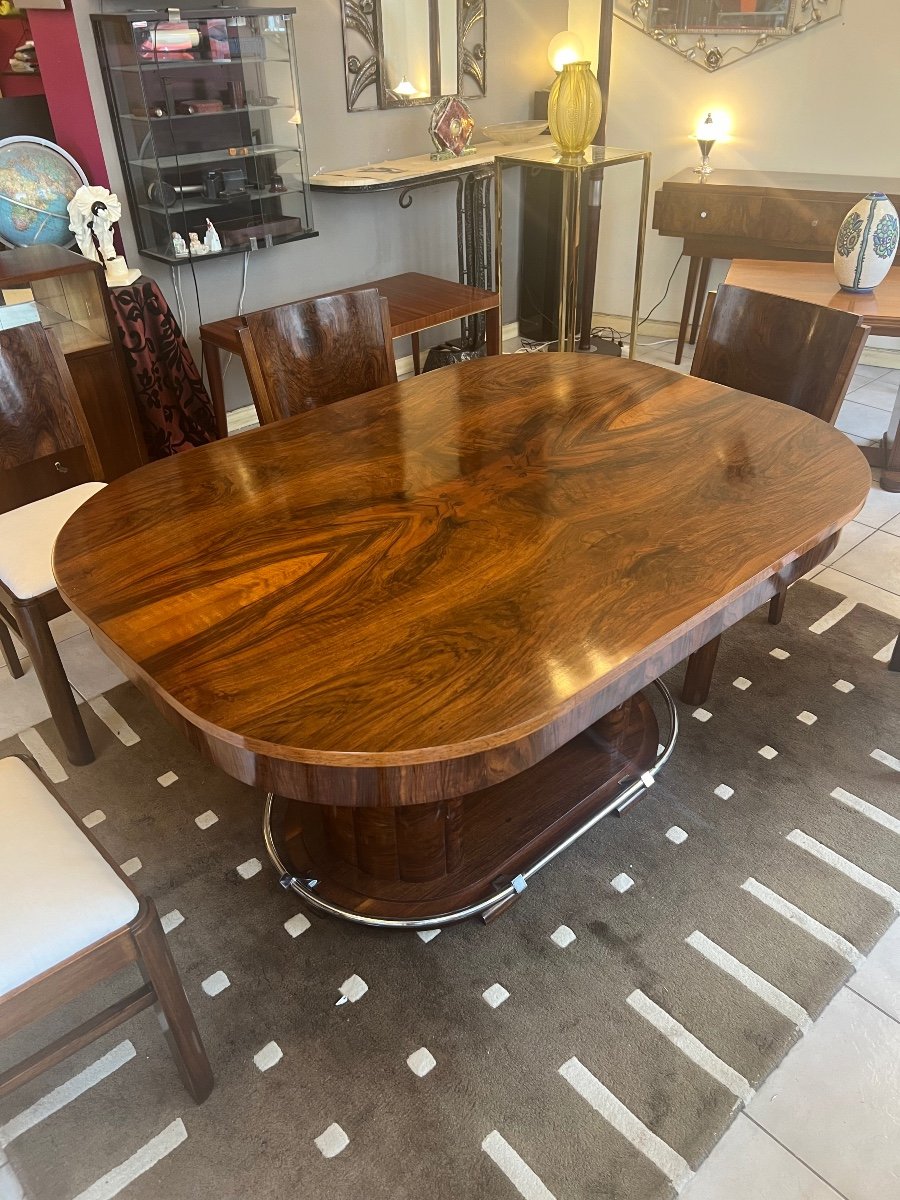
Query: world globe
[37, 181]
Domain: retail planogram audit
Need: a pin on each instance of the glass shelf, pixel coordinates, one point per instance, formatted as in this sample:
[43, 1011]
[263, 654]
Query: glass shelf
[161, 253]
[199, 203]
[204, 157]
[222, 112]
[155, 65]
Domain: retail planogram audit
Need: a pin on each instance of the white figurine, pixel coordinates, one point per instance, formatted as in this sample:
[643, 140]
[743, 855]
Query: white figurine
[92, 213]
[195, 245]
[211, 238]
[178, 245]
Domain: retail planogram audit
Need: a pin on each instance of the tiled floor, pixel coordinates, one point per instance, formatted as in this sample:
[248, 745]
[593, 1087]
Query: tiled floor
[825, 1125]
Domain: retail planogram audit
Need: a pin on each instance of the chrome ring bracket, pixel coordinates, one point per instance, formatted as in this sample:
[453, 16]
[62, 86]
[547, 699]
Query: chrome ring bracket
[507, 891]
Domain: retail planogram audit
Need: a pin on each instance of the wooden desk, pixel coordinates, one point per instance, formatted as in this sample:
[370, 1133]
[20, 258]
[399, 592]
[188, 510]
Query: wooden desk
[416, 302]
[754, 214]
[815, 283]
[422, 613]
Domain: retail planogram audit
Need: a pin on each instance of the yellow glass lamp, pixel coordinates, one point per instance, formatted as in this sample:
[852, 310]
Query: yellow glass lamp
[573, 109]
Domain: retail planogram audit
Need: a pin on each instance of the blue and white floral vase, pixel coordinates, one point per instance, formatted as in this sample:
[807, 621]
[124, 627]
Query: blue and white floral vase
[866, 243]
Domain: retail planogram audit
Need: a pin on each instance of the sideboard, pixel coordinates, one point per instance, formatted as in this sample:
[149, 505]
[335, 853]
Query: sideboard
[754, 214]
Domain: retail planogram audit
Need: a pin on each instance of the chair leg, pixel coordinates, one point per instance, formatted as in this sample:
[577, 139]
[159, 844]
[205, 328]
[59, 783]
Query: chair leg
[35, 633]
[698, 676]
[158, 968]
[10, 655]
[776, 607]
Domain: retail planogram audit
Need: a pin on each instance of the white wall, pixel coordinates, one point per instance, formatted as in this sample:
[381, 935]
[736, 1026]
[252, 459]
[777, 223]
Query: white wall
[361, 237]
[823, 101]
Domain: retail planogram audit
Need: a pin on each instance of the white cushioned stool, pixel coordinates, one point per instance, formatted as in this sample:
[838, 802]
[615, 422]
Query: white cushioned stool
[69, 920]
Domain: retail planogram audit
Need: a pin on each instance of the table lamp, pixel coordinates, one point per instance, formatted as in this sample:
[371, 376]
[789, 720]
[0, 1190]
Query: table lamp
[565, 48]
[706, 133]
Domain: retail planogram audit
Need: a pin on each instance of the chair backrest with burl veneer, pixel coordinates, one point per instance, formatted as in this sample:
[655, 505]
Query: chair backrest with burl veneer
[302, 355]
[797, 353]
[49, 467]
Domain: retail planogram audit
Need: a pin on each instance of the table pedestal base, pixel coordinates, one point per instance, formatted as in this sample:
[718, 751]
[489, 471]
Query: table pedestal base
[425, 865]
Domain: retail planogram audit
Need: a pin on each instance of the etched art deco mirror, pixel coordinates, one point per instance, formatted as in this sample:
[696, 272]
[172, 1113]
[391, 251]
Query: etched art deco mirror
[399, 53]
[716, 33]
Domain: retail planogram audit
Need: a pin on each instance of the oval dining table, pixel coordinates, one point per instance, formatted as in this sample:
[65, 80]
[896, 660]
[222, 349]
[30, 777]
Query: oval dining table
[421, 619]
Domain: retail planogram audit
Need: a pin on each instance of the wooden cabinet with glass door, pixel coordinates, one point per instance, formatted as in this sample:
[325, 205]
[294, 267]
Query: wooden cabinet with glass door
[68, 294]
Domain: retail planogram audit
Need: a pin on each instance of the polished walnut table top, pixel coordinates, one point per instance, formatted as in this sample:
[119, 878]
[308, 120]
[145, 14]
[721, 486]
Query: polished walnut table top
[455, 573]
[815, 283]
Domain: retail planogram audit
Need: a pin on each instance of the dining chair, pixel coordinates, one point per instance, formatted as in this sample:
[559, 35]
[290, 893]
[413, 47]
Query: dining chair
[70, 919]
[302, 355]
[49, 467]
[787, 350]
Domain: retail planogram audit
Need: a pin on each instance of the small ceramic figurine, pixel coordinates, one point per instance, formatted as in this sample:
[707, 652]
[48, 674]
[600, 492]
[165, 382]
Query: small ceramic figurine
[179, 246]
[211, 238]
[195, 246]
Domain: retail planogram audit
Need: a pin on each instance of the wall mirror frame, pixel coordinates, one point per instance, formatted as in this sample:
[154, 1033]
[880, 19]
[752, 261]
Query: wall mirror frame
[395, 59]
[716, 33]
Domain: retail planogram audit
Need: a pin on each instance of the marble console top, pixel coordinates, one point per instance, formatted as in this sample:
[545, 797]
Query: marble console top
[400, 172]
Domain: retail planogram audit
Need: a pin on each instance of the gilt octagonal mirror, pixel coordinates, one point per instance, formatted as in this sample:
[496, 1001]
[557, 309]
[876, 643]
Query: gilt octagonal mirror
[403, 52]
[716, 33]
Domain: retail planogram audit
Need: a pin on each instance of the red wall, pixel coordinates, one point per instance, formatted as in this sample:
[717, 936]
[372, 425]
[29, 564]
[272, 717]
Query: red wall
[66, 89]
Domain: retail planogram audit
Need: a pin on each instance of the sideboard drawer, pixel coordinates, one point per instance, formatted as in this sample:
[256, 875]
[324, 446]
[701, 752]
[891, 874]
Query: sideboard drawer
[680, 213]
[803, 223]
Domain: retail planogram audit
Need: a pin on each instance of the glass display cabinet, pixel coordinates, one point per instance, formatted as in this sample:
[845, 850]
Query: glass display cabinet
[206, 112]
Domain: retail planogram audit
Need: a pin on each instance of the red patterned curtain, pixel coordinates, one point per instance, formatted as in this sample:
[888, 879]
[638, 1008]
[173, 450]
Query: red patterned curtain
[175, 410]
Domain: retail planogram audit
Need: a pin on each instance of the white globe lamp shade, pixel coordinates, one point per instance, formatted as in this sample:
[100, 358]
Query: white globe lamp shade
[565, 48]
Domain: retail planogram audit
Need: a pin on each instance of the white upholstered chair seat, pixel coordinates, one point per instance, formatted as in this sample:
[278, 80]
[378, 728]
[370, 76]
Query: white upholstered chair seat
[27, 535]
[59, 894]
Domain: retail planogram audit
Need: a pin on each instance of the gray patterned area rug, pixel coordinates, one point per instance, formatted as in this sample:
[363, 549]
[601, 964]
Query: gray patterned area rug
[594, 1042]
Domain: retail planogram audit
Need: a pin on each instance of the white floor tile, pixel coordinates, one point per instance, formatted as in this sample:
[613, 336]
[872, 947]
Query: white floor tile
[880, 508]
[880, 393]
[88, 669]
[22, 702]
[862, 419]
[851, 535]
[866, 373]
[857, 589]
[875, 560]
[893, 526]
[835, 1100]
[747, 1164]
[878, 979]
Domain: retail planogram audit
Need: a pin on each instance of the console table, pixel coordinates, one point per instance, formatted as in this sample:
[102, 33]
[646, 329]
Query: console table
[472, 175]
[754, 214]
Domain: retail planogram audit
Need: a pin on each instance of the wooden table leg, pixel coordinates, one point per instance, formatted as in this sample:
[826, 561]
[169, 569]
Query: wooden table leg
[689, 289]
[698, 676]
[493, 334]
[894, 664]
[213, 364]
[702, 285]
[416, 353]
